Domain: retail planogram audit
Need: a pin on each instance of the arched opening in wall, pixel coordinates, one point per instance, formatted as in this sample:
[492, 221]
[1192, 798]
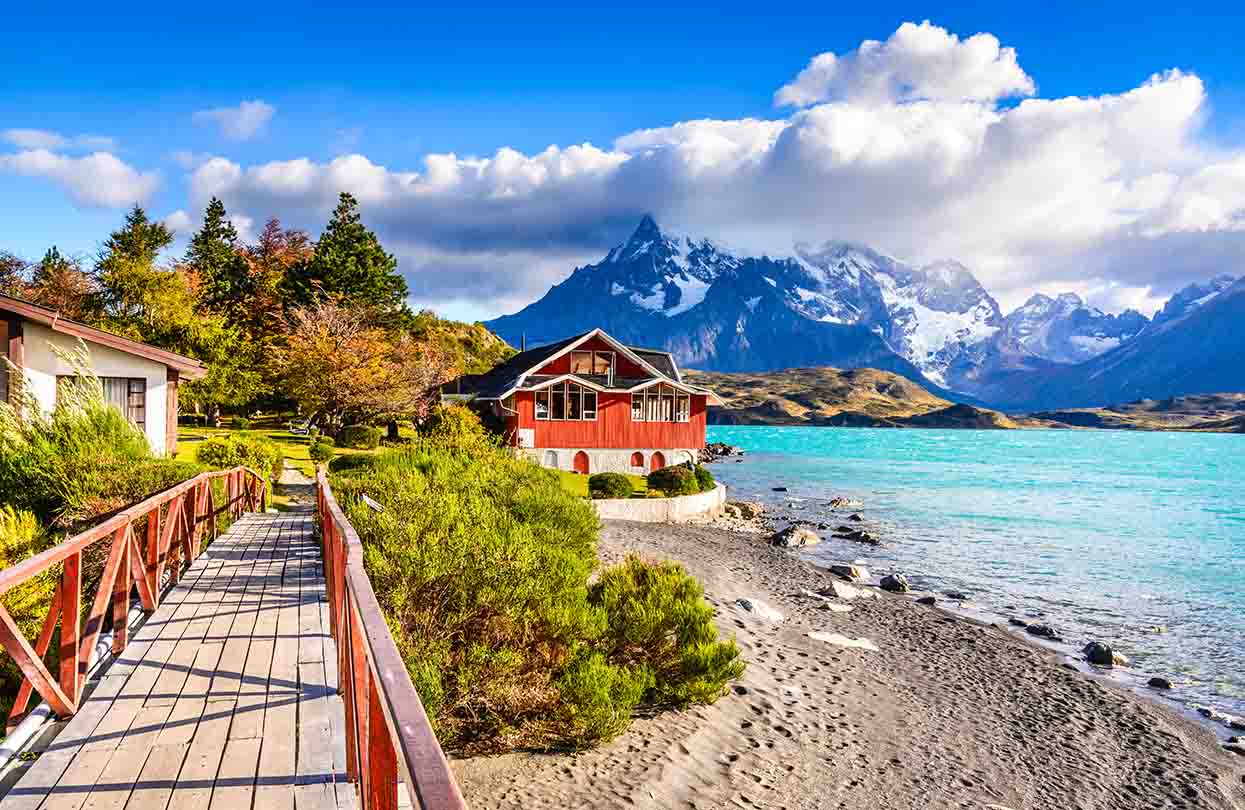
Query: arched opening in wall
[687, 458]
[551, 459]
[637, 459]
[581, 463]
[656, 462]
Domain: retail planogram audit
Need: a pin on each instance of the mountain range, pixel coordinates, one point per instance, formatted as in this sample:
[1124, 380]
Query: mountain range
[846, 305]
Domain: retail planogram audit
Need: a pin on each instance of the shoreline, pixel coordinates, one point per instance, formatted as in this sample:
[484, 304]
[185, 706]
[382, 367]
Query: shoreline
[946, 712]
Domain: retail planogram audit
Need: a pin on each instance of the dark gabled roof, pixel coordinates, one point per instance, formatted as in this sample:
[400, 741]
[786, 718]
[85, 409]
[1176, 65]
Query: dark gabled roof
[498, 380]
[188, 368]
[662, 361]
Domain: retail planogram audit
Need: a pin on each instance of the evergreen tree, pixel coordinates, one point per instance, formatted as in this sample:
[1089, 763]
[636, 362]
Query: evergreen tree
[58, 282]
[223, 274]
[350, 267]
[126, 268]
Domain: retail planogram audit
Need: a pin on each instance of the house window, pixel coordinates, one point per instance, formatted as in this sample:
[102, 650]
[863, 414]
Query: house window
[661, 403]
[599, 364]
[542, 404]
[568, 402]
[126, 394]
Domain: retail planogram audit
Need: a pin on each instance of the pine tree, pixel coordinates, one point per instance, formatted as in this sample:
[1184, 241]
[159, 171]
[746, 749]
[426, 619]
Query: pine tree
[224, 277]
[350, 267]
[126, 272]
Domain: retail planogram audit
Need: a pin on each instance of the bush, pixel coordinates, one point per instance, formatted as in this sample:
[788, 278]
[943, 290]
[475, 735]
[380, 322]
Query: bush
[313, 433]
[241, 423]
[657, 618]
[457, 426]
[21, 537]
[256, 452]
[704, 478]
[360, 437]
[320, 450]
[610, 485]
[481, 563]
[675, 480]
[350, 461]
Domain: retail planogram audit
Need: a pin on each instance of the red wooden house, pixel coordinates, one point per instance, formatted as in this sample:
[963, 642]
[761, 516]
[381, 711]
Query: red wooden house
[591, 404]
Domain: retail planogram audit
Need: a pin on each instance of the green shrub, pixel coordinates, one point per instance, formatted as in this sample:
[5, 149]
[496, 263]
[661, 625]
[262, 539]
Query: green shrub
[481, 563]
[21, 537]
[704, 478]
[256, 452]
[457, 426]
[674, 480]
[320, 451]
[609, 485]
[327, 441]
[241, 423]
[360, 437]
[657, 618]
[350, 461]
[313, 433]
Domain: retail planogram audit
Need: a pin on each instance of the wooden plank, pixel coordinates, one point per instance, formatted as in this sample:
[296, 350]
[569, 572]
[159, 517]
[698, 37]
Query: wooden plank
[112, 790]
[41, 648]
[35, 785]
[235, 783]
[159, 774]
[32, 667]
[75, 785]
[193, 789]
[71, 626]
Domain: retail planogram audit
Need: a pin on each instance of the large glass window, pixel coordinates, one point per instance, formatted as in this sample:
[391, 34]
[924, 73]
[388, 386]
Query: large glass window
[126, 394]
[566, 401]
[592, 363]
[581, 362]
[661, 403]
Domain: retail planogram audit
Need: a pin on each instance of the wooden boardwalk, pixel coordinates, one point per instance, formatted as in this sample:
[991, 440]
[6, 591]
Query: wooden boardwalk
[225, 699]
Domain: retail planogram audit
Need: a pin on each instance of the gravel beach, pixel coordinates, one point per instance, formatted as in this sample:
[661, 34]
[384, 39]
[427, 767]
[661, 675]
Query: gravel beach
[888, 705]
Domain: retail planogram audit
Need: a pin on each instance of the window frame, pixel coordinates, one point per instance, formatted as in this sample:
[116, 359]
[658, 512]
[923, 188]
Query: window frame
[541, 394]
[663, 403]
[134, 386]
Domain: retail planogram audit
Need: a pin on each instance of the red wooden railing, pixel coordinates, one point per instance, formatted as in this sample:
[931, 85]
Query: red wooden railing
[387, 731]
[173, 525]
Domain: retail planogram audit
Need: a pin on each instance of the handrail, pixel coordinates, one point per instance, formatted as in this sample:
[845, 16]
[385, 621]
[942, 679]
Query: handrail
[374, 683]
[172, 539]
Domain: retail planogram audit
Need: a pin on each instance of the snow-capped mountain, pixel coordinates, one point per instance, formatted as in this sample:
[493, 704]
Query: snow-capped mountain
[1191, 297]
[1065, 329]
[834, 304]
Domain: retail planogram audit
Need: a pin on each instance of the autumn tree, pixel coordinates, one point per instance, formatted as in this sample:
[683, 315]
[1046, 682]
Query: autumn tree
[342, 369]
[350, 266]
[13, 271]
[58, 282]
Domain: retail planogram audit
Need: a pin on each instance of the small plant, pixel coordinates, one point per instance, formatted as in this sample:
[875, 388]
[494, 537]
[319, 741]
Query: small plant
[704, 478]
[658, 619]
[673, 481]
[360, 437]
[313, 433]
[241, 423]
[598, 698]
[321, 450]
[609, 485]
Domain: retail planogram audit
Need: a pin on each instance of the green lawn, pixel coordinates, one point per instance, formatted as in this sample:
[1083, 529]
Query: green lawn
[577, 484]
[294, 447]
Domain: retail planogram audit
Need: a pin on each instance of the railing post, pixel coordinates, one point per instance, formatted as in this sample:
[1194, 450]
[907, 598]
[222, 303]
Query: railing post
[382, 766]
[153, 552]
[71, 626]
[121, 592]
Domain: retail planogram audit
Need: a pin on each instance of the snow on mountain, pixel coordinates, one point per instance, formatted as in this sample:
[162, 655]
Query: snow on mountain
[1065, 329]
[1192, 297]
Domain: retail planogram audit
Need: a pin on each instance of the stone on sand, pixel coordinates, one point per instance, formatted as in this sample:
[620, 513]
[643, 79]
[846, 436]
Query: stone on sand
[841, 590]
[895, 583]
[850, 572]
[927, 600]
[795, 536]
[748, 510]
[1042, 631]
[1099, 654]
[843, 641]
[762, 610]
[1159, 683]
[826, 602]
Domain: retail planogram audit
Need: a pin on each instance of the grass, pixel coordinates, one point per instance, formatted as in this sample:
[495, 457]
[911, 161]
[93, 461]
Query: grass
[295, 448]
[577, 484]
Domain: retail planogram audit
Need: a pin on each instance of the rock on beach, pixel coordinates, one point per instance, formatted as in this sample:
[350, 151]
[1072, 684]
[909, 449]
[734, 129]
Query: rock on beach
[895, 583]
[795, 536]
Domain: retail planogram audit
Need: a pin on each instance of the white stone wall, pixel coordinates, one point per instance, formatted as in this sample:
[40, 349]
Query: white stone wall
[663, 510]
[607, 460]
[41, 367]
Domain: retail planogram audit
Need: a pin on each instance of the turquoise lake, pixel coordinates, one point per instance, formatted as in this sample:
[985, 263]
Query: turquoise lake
[1135, 539]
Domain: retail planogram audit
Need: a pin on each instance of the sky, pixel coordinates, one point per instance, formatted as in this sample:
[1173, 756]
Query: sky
[1094, 148]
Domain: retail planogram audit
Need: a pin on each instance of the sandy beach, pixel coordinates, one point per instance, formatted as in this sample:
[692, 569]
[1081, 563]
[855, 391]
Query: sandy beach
[931, 710]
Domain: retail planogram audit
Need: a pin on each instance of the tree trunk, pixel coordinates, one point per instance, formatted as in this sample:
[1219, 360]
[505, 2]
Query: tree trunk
[213, 416]
[393, 435]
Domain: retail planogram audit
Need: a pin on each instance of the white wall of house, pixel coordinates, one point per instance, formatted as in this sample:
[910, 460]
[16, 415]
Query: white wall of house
[42, 366]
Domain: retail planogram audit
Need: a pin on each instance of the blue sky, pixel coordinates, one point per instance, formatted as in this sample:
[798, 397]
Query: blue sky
[396, 84]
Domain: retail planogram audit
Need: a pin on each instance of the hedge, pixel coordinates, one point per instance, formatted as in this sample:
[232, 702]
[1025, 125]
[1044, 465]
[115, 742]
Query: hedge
[610, 485]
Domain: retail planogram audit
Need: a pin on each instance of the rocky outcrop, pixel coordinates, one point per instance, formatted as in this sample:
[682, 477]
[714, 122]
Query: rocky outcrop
[1159, 683]
[795, 536]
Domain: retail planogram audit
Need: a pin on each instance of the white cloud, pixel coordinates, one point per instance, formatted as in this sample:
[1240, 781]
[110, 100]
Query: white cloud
[99, 179]
[917, 62]
[179, 222]
[239, 123]
[46, 139]
[901, 144]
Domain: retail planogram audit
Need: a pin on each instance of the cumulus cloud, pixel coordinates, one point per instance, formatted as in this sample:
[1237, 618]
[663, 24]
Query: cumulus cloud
[917, 62]
[99, 180]
[46, 139]
[904, 145]
[179, 222]
[239, 123]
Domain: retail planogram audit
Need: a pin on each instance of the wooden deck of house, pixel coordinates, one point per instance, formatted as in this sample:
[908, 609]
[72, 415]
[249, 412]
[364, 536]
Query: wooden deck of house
[225, 699]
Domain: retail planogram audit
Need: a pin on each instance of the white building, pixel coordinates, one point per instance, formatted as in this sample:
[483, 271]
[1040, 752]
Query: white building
[141, 380]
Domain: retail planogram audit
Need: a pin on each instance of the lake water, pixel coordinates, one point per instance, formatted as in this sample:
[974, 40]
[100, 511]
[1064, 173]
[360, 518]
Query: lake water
[1104, 535]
